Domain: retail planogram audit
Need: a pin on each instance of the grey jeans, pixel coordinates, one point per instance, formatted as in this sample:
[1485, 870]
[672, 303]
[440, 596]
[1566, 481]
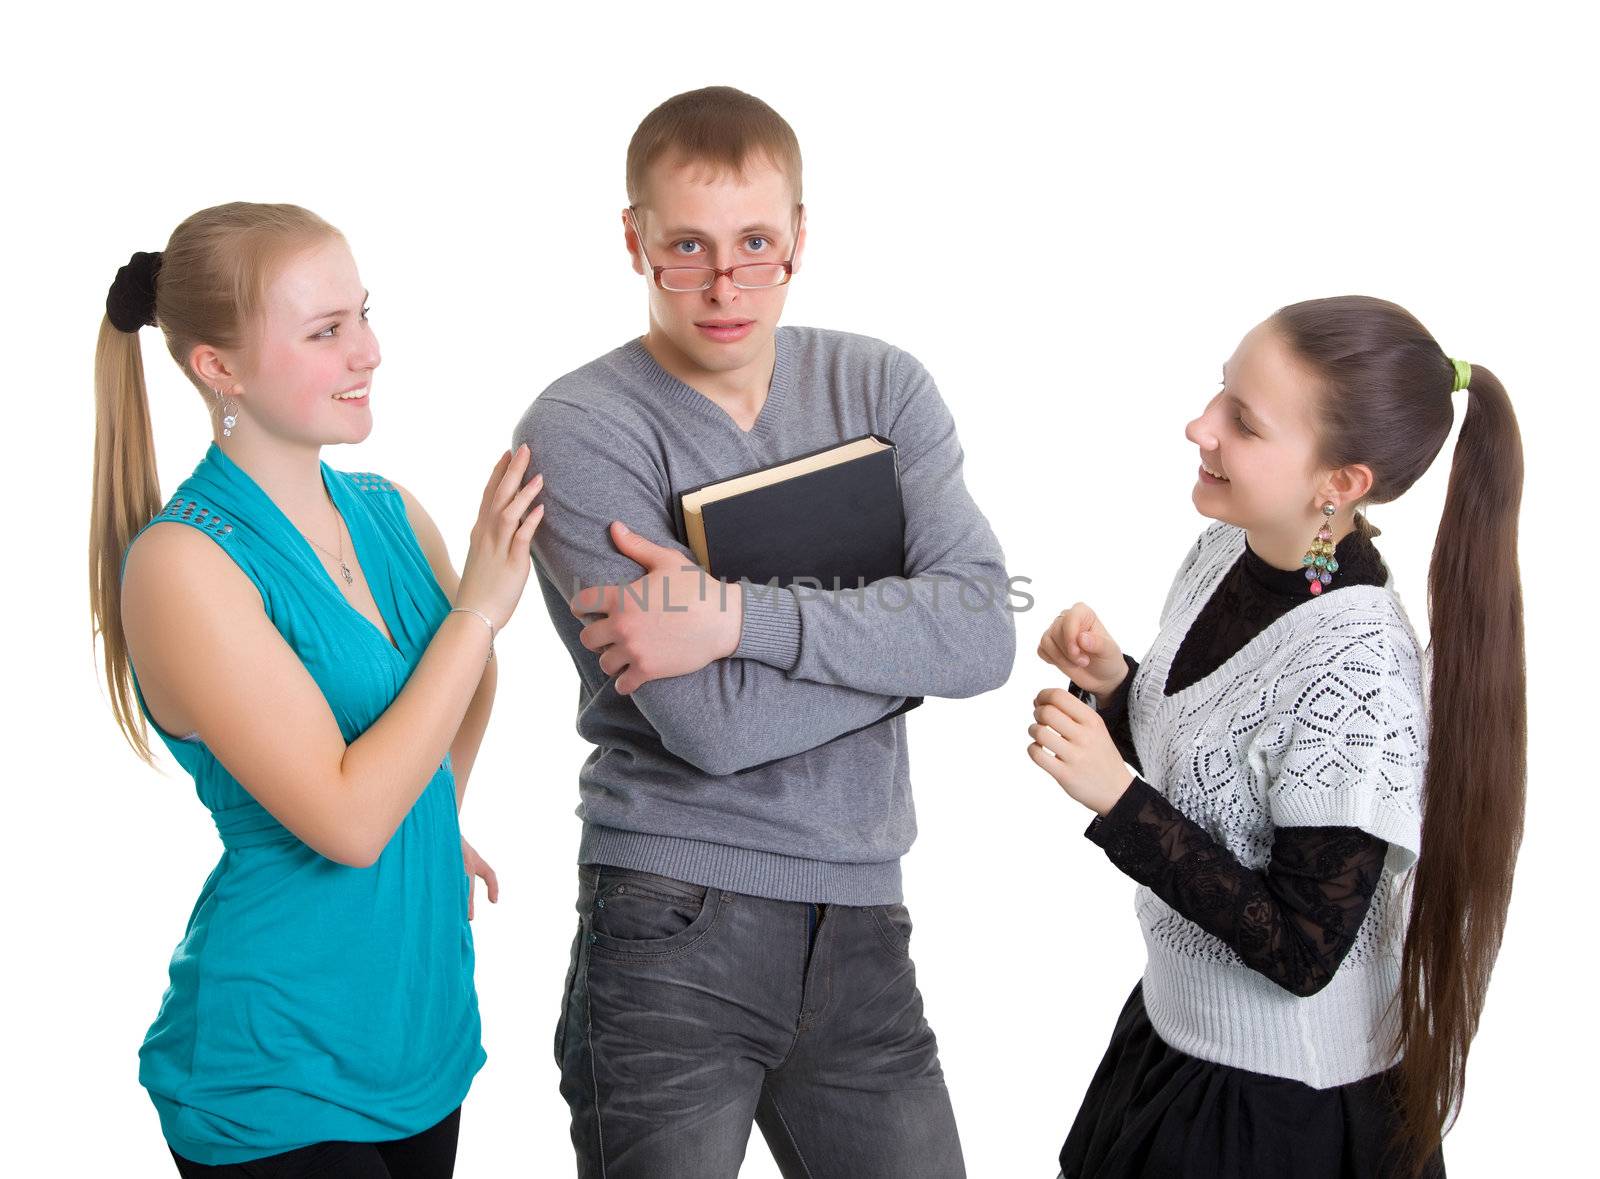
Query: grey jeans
[690, 1013]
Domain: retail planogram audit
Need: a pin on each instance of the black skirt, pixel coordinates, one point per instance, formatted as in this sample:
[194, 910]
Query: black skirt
[1154, 1111]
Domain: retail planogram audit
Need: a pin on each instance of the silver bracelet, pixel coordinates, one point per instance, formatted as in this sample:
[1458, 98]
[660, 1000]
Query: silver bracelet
[486, 622]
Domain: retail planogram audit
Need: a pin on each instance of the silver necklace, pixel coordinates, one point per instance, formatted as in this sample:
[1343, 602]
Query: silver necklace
[349, 578]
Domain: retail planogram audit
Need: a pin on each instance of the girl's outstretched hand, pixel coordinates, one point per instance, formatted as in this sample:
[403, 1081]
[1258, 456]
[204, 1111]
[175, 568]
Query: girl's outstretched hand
[500, 556]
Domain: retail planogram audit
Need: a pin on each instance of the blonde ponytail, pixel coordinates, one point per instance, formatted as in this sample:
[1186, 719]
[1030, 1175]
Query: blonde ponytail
[126, 495]
[205, 287]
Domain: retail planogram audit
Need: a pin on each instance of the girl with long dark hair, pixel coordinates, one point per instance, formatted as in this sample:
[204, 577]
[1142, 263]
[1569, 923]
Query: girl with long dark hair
[1325, 818]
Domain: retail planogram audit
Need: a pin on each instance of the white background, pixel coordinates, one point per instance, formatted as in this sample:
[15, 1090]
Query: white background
[1070, 214]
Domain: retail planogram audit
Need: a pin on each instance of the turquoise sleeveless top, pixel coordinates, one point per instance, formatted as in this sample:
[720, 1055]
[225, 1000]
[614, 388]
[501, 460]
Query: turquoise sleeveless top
[309, 1000]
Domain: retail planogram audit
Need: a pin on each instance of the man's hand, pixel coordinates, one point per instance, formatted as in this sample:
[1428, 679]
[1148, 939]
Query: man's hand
[673, 620]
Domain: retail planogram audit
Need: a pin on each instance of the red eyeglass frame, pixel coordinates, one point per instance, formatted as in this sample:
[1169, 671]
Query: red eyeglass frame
[715, 272]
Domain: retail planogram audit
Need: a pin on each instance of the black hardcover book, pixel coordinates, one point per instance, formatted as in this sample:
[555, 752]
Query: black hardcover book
[833, 515]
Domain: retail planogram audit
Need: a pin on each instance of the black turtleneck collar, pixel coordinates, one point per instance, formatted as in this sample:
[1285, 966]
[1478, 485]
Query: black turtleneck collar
[1359, 564]
[1253, 594]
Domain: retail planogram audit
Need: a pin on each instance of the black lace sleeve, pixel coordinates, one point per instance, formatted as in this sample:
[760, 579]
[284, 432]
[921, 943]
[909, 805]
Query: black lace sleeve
[1114, 711]
[1293, 923]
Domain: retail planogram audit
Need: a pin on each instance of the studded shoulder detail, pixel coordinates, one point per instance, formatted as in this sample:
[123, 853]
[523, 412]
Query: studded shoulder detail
[189, 511]
[367, 481]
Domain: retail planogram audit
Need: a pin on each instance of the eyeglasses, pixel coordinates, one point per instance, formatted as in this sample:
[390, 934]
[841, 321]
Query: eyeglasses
[747, 276]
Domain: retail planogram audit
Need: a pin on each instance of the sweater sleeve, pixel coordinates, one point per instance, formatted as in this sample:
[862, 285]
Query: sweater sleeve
[1293, 923]
[1345, 743]
[594, 474]
[945, 628]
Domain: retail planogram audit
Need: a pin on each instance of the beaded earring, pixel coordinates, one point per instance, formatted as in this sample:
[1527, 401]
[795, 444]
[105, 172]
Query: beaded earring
[230, 413]
[1319, 562]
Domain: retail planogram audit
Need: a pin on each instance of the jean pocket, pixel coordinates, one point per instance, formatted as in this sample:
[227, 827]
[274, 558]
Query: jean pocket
[894, 928]
[642, 913]
[566, 995]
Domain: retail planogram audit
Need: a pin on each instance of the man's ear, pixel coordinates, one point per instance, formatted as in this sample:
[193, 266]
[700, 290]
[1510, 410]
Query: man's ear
[630, 237]
[800, 240]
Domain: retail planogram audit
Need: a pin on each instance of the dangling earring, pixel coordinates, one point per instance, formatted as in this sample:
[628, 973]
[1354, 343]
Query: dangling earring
[230, 413]
[1319, 562]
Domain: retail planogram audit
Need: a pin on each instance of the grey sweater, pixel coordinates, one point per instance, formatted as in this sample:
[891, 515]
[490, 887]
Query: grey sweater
[764, 772]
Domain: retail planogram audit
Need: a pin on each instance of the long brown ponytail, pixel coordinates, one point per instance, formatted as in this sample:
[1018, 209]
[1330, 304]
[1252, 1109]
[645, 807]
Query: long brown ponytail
[1386, 402]
[209, 284]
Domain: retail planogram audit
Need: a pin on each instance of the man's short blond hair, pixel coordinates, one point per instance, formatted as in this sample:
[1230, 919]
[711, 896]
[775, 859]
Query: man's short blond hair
[717, 126]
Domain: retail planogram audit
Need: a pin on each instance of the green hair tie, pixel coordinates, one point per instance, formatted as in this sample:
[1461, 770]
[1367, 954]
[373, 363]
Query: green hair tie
[1463, 375]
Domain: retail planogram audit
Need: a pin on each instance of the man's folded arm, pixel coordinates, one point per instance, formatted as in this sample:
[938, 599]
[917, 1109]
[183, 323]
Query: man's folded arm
[731, 714]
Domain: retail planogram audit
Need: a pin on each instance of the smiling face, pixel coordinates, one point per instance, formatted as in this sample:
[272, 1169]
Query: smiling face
[305, 377]
[692, 215]
[1257, 442]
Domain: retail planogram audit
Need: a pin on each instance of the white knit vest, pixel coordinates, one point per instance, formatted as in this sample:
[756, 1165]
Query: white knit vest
[1317, 721]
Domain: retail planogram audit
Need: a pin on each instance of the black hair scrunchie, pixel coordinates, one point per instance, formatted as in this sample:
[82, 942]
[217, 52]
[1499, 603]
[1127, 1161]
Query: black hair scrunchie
[131, 301]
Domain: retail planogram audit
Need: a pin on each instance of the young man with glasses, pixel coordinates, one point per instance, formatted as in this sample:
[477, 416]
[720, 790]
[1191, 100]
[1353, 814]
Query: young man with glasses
[742, 952]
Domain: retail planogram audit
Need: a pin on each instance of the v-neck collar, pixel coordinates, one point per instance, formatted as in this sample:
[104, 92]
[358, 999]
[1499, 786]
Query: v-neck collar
[684, 394]
[1171, 636]
[354, 521]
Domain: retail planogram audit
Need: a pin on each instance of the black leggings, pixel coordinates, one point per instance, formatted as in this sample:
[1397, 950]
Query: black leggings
[428, 1155]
